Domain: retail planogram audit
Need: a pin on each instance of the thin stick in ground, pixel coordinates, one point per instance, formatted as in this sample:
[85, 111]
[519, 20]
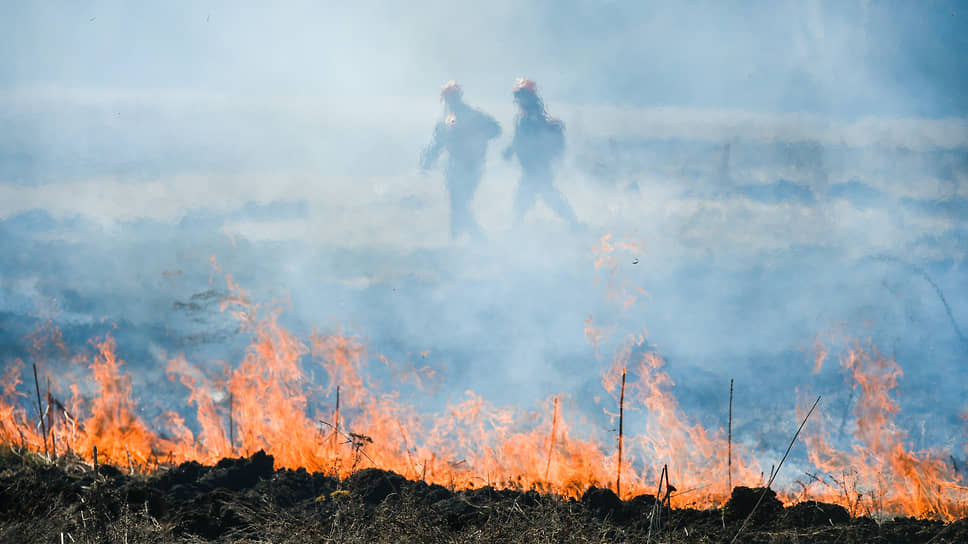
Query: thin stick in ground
[621, 417]
[655, 519]
[336, 437]
[551, 449]
[777, 471]
[729, 451]
[50, 421]
[40, 409]
[231, 427]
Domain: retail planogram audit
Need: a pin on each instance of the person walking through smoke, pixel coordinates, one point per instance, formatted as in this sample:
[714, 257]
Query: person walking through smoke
[539, 141]
[464, 133]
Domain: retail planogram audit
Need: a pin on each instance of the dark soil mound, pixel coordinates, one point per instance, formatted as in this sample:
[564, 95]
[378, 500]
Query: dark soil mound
[744, 501]
[374, 485]
[813, 513]
[603, 502]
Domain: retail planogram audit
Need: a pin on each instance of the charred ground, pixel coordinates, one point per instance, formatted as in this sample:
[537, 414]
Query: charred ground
[247, 500]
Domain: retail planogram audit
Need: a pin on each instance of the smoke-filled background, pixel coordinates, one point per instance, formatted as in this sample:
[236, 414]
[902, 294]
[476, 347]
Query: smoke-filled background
[790, 174]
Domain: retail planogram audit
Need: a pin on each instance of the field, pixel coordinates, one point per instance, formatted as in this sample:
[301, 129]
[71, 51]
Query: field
[247, 500]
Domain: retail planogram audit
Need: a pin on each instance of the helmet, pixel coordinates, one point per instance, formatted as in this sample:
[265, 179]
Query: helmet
[523, 84]
[450, 88]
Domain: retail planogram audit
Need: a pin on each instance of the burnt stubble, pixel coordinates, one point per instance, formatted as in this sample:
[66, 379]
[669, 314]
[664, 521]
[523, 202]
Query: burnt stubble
[248, 500]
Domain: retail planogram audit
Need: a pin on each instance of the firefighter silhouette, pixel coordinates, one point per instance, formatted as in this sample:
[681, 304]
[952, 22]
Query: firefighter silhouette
[539, 141]
[464, 134]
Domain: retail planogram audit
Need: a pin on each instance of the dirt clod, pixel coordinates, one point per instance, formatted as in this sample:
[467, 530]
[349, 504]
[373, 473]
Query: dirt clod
[743, 501]
[603, 502]
[374, 485]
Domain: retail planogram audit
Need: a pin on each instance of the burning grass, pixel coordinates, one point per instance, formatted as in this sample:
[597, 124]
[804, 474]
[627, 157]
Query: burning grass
[473, 444]
[267, 401]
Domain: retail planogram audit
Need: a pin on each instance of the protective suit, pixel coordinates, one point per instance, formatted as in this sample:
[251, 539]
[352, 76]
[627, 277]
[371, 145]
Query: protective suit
[539, 141]
[464, 133]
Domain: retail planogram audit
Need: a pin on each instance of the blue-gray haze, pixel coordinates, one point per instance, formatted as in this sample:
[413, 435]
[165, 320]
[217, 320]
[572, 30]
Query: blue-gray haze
[797, 170]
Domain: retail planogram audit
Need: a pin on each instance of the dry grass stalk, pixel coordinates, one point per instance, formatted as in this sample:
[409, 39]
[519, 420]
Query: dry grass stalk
[621, 417]
[358, 441]
[231, 427]
[40, 409]
[777, 471]
[50, 422]
[729, 451]
[336, 437]
[551, 449]
[655, 518]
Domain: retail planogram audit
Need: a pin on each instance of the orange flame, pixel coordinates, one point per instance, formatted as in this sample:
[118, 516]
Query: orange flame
[882, 473]
[695, 456]
[275, 404]
[112, 424]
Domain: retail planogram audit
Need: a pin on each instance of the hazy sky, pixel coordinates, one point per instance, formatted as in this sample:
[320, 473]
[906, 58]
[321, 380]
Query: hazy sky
[842, 58]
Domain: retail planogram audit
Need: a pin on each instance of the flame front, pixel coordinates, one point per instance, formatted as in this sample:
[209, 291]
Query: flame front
[882, 473]
[270, 401]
